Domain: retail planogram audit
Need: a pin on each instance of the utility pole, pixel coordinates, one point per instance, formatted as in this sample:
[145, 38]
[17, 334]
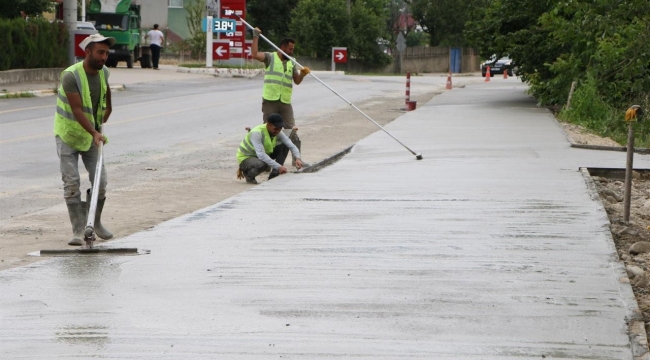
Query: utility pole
[348, 5]
[70, 19]
[70, 13]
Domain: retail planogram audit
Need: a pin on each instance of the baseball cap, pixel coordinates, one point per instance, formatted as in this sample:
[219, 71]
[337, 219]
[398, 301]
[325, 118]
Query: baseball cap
[95, 38]
[276, 120]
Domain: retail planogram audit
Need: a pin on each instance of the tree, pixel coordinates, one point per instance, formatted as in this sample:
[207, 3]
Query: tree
[395, 10]
[443, 20]
[273, 17]
[607, 39]
[601, 45]
[511, 27]
[10, 9]
[368, 25]
[319, 25]
[197, 40]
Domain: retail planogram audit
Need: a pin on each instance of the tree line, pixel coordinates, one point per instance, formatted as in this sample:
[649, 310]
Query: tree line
[600, 45]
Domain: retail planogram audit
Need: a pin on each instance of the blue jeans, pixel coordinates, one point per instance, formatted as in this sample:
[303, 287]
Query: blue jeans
[69, 164]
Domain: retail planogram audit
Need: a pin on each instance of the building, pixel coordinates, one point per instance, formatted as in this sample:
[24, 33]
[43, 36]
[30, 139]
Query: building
[170, 15]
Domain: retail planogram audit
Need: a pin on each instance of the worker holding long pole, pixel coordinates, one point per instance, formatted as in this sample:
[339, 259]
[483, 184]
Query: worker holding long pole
[279, 77]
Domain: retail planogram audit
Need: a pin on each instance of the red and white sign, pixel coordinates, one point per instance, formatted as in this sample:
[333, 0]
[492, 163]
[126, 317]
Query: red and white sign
[221, 50]
[230, 9]
[248, 52]
[340, 55]
[78, 38]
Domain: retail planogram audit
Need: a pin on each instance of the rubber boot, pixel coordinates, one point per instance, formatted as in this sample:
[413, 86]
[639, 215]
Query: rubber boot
[296, 141]
[100, 230]
[250, 179]
[78, 213]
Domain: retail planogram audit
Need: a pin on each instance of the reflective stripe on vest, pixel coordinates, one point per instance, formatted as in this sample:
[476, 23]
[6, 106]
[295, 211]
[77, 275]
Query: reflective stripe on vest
[246, 148]
[66, 125]
[278, 84]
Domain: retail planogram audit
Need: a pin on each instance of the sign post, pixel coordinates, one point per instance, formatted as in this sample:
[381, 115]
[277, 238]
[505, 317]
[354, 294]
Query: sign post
[339, 55]
[208, 41]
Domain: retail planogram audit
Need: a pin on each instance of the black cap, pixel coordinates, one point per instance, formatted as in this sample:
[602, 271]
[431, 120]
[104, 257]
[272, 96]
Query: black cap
[275, 120]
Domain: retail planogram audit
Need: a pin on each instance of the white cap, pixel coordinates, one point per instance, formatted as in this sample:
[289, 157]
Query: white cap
[95, 38]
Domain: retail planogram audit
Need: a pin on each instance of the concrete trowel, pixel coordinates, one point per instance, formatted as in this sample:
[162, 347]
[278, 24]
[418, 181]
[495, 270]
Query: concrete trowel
[89, 233]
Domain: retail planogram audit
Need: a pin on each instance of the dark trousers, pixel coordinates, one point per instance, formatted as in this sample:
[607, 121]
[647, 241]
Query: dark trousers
[254, 166]
[155, 55]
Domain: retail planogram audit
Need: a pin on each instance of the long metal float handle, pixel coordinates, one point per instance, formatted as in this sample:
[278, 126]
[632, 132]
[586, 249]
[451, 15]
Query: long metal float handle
[92, 207]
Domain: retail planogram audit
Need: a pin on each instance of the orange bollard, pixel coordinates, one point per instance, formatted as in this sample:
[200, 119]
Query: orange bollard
[487, 74]
[448, 87]
[505, 73]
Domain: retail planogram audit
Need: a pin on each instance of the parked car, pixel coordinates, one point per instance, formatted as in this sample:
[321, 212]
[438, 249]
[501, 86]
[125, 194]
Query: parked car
[498, 66]
[85, 25]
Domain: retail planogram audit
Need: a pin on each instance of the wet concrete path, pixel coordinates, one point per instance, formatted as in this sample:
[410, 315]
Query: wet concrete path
[489, 248]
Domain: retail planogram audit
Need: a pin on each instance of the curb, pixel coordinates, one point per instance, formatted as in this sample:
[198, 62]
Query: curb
[222, 72]
[242, 73]
[636, 326]
[49, 92]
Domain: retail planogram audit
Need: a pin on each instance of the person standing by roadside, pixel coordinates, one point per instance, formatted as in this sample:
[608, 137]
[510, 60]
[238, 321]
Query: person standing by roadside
[156, 42]
[83, 105]
[279, 77]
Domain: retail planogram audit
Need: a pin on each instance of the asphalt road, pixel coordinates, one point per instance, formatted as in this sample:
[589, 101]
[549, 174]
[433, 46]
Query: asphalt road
[154, 115]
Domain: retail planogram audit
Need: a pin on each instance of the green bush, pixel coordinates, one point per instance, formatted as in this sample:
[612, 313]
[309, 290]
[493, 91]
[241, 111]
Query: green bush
[36, 43]
[591, 111]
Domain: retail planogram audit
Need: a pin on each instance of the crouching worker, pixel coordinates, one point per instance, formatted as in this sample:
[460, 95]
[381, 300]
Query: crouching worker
[264, 147]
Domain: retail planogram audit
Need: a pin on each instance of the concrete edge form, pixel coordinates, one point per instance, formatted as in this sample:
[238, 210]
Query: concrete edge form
[326, 162]
[93, 251]
[610, 148]
[634, 319]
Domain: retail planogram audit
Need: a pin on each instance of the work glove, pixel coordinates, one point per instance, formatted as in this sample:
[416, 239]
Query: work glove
[257, 32]
[304, 71]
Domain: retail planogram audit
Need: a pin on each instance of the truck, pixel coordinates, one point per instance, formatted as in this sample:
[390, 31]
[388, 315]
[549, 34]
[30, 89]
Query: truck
[120, 19]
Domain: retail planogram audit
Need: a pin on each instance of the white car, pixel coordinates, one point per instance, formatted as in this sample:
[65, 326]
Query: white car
[82, 25]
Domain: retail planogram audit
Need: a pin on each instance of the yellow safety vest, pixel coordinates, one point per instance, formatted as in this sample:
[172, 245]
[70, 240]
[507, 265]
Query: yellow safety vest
[278, 84]
[246, 148]
[66, 125]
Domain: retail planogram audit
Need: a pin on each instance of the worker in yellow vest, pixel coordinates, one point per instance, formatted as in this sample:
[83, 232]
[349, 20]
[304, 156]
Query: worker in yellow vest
[279, 76]
[266, 147]
[83, 104]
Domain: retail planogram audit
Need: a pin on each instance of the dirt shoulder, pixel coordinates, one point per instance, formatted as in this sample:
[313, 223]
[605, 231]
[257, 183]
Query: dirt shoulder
[148, 189]
[579, 135]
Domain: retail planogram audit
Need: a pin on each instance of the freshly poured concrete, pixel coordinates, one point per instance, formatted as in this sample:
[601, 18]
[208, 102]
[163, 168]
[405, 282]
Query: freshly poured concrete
[489, 248]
